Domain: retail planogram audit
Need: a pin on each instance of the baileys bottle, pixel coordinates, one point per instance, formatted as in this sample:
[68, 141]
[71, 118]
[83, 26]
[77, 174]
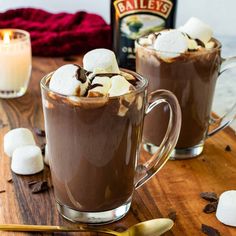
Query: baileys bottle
[131, 19]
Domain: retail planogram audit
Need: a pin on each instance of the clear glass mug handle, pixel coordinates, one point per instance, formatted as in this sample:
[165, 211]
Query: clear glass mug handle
[158, 160]
[218, 124]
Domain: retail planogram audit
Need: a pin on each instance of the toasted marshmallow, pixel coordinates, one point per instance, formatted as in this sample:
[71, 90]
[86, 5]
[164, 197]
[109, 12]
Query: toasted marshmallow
[66, 81]
[102, 83]
[101, 59]
[226, 209]
[16, 138]
[197, 29]
[170, 44]
[119, 86]
[27, 160]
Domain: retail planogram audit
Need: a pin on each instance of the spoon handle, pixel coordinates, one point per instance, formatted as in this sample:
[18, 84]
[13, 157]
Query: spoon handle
[52, 228]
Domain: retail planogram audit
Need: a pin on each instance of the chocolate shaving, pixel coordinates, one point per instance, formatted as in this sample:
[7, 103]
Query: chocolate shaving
[228, 148]
[209, 196]
[39, 132]
[39, 187]
[210, 207]
[210, 231]
[2, 191]
[10, 180]
[172, 215]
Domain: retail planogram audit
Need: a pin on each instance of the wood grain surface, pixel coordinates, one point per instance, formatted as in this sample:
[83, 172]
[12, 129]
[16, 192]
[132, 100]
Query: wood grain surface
[175, 188]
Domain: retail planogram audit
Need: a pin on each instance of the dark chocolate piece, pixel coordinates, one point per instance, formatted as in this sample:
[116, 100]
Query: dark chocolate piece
[39, 187]
[228, 148]
[210, 231]
[10, 180]
[209, 196]
[210, 207]
[172, 215]
[39, 132]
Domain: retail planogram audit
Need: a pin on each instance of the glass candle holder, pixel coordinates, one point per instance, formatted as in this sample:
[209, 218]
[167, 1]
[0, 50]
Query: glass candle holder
[15, 62]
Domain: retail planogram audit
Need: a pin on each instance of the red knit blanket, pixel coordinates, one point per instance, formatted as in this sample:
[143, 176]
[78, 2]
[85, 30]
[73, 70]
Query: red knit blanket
[59, 34]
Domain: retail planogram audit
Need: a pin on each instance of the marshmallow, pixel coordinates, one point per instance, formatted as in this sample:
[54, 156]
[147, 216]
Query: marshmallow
[197, 29]
[192, 44]
[101, 60]
[67, 80]
[16, 138]
[226, 209]
[170, 44]
[103, 85]
[27, 160]
[119, 86]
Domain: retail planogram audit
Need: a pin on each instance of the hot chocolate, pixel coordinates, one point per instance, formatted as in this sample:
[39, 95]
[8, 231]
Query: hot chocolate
[188, 67]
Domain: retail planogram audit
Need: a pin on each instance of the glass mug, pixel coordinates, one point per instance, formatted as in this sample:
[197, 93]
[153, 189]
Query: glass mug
[94, 147]
[192, 78]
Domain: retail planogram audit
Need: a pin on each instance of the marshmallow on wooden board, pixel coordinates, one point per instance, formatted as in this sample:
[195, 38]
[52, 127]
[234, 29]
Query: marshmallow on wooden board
[101, 60]
[119, 86]
[16, 138]
[197, 29]
[101, 85]
[226, 209]
[69, 80]
[170, 44]
[27, 160]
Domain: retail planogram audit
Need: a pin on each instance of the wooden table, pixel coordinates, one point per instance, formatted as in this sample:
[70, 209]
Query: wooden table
[176, 187]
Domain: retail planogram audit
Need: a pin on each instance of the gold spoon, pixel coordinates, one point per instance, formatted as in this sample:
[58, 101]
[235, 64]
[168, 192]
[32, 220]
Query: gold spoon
[153, 227]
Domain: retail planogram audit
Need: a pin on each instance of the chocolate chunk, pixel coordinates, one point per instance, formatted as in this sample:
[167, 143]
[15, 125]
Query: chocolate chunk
[39, 132]
[39, 187]
[43, 148]
[210, 231]
[2, 191]
[228, 148]
[209, 196]
[210, 207]
[69, 58]
[10, 180]
[172, 215]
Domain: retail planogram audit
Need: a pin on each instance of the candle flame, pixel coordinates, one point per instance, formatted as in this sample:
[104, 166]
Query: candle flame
[6, 37]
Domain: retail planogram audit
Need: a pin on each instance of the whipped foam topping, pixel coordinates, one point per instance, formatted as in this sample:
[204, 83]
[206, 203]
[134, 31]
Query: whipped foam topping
[193, 36]
[99, 77]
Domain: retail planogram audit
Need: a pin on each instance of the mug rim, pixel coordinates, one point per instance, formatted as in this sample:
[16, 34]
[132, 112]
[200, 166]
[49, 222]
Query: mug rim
[192, 53]
[138, 90]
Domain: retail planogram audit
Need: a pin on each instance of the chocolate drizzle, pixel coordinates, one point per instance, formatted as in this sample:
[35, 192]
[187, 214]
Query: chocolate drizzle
[95, 85]
[81, 74]
[103, 75]
[200, 43]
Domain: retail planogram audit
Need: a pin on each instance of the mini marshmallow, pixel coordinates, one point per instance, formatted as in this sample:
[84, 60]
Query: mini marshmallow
[226, 209]
[170, 44]
[16, 138]
[197, 29]
[103, 85]
[27, 160]
[66, 82]
[119, 86]
[101, 60]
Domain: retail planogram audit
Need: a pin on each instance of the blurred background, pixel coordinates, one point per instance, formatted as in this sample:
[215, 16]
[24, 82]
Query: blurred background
[219, 14]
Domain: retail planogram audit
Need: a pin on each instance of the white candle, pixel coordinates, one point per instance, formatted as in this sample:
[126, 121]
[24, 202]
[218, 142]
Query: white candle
[15, 62]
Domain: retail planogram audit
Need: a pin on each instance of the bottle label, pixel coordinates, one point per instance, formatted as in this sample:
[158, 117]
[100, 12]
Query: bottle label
[160, 7]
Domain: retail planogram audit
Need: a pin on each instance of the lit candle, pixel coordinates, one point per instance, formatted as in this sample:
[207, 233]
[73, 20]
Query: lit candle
[15, 62]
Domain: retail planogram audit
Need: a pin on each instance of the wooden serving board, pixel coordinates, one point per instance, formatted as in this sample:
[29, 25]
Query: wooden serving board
[175, 188]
